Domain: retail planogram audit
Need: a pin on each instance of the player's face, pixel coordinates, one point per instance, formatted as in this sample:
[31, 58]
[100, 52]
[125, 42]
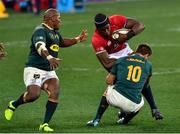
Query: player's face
[56, 19]
[105, 31]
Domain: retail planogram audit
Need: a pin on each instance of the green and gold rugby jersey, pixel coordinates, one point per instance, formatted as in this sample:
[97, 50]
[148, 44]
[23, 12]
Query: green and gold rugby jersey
[53, 41]
[131, 74]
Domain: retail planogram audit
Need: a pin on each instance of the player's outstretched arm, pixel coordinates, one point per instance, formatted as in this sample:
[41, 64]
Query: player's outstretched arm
[72, 41]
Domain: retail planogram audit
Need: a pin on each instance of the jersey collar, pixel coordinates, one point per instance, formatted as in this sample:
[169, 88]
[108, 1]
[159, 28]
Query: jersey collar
[44, 24]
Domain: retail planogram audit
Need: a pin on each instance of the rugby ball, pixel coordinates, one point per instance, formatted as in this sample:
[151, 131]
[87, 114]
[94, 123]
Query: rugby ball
[122, 31]
[116, 33]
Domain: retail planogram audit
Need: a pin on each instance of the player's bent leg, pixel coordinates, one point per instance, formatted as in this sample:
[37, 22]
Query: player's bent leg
[45, 128]
[101, 109]
[52, 88]
[32, 94]
[9, 111]
[129, 116]
[157, 114]
[121, 114]
[147, 93]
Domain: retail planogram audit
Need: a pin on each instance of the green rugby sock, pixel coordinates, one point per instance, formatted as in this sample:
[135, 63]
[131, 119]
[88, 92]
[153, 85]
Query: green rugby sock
[50, 108]
[19, 101]
[102, 108]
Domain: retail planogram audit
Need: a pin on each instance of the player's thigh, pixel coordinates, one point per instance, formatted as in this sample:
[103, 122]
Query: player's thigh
[33, 91]
[115, 99]
[52, 86]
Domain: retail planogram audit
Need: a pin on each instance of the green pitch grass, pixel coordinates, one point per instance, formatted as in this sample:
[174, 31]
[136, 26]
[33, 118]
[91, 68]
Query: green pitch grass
[82, 77]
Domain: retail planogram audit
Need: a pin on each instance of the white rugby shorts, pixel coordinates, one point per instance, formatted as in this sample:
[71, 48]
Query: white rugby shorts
[122, 53]
[117, 100]
[35, 76]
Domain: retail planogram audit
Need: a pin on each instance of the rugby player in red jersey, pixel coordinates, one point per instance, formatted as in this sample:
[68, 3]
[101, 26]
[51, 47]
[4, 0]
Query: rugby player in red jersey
[109, 48]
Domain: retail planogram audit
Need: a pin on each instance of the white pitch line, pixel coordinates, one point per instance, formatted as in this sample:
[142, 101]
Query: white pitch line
[24, 43]
[164, 45]
[17, 43]
[164, 72]
[174, 29]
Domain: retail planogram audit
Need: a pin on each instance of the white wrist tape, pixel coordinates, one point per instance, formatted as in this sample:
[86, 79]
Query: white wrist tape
[49, 57]
[77, 39]
[42, 47]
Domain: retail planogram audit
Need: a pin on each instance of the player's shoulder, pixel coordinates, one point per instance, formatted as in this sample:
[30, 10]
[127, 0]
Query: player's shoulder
[97, 38]
[149, 63]
[121, 60]
[117, 20]
[39, 29]
[114, 17]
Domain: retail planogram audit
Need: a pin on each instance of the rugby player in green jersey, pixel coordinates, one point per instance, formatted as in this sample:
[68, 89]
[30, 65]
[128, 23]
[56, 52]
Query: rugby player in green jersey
[39, 72]
[126, 80]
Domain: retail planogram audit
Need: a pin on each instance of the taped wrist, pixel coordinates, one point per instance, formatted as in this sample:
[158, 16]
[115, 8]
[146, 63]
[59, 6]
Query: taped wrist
[77, 39]
[49, 57]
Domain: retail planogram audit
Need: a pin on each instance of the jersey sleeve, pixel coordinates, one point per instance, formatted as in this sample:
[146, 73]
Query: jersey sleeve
[98, 43]
[149, 68]
[39, 35]
[98, 46]
[118, 20]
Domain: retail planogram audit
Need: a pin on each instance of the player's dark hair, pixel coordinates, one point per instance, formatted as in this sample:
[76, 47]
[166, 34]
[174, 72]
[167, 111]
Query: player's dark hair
[144, 49]
[101, 20]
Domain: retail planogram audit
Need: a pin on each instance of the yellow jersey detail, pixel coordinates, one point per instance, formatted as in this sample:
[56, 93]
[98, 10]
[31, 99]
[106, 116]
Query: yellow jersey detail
[135, 60]
[54, 47]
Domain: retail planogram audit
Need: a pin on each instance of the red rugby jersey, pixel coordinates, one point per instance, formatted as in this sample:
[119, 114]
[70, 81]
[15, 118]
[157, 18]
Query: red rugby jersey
[100, 44]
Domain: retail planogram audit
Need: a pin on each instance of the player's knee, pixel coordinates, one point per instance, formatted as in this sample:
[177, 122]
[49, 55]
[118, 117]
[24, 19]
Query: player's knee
[54, 94]
[30, 97]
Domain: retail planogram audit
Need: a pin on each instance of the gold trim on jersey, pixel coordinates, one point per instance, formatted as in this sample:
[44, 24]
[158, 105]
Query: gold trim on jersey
[135, 60]
[54, 47]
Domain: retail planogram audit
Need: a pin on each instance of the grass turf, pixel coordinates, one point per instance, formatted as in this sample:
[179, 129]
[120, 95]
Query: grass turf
[82, 77]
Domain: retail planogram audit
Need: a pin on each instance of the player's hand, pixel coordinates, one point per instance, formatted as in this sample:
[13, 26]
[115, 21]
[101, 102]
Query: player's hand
[157, 115]
[2, 52]
[119, 38]
[82, 37]
[54, 63]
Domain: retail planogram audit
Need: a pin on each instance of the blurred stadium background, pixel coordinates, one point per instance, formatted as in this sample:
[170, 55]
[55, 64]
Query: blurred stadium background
[82, 77]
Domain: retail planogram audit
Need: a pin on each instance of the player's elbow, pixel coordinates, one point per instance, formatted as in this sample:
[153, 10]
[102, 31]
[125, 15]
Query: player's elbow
[108, 63]
[141, 27]
[107, 66]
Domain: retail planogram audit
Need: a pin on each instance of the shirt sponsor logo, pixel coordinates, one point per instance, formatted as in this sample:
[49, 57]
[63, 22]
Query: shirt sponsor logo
[52, 36]
[54, 47]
